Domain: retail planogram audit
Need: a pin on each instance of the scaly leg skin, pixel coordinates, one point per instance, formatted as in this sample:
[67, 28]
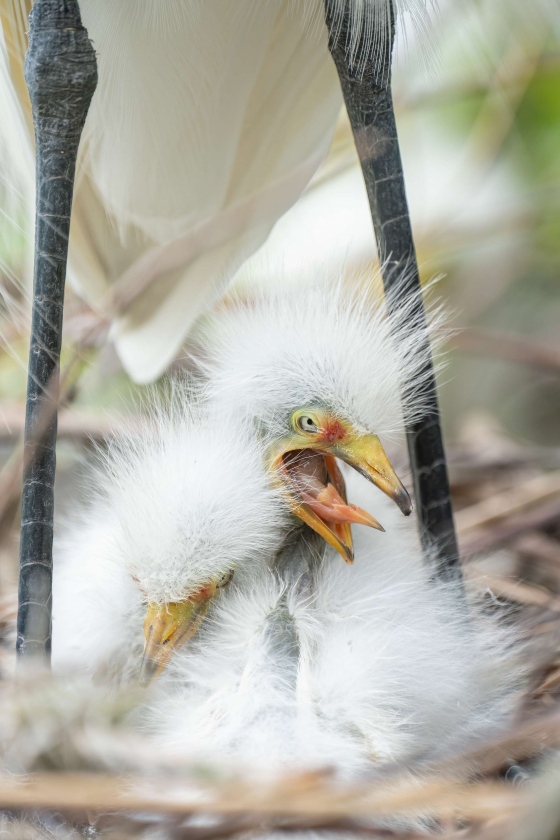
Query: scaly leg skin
[61, 76]
[366, 87]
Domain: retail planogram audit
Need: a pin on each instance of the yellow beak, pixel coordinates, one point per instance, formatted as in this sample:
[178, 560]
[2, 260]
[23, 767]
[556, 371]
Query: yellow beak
[329, 514]
[168, 626]
[366, 455]
[316, 491]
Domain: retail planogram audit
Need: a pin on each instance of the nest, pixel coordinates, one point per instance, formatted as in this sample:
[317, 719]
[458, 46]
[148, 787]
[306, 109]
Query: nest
[70, 768]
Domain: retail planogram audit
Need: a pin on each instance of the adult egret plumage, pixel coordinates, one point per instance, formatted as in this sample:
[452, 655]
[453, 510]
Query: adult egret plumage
[208, 121]
[161, 233]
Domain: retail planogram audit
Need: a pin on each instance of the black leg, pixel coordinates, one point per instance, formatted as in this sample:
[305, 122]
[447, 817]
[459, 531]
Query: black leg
[367, 94]
[61, 75]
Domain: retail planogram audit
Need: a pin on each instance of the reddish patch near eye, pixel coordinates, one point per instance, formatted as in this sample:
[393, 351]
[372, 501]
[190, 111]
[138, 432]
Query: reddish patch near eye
[333, 430]
[203, 593]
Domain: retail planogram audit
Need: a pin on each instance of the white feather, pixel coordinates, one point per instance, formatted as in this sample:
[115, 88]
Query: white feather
[352, 665]
[321, 343]
[377, 665]
[209, 120]
[180, 504]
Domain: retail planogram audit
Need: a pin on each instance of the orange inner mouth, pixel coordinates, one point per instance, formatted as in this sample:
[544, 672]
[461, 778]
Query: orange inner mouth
[317, 482]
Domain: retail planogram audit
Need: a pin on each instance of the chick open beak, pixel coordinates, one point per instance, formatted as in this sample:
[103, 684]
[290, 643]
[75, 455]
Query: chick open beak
[316, 491]
[168, 626]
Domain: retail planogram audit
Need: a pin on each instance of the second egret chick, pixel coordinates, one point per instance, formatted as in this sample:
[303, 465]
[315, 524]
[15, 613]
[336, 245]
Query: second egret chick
[180, 511]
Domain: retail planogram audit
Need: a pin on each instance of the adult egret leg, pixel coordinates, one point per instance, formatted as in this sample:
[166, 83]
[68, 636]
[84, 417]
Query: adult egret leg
[61, 75]
[367, 94]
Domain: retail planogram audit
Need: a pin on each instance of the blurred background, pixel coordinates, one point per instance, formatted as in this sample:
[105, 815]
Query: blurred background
[478, 109]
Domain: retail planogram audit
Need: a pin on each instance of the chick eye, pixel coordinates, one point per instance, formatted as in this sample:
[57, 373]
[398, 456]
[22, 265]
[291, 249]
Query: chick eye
[307, 424]
[225, 579]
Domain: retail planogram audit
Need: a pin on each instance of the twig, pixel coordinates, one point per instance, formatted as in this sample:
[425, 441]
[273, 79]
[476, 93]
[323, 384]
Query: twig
[538, 546]
[326, 801]
[515, 590]
[512, 501]
[484, 540]
[10, 477]
[76, 425]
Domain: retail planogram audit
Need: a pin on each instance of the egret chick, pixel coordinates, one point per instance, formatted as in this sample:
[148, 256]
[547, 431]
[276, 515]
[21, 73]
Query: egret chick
[178, 512]
[319, 370]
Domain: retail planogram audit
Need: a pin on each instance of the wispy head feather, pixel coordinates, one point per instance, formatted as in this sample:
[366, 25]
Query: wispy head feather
[190, 499]
[322, 343]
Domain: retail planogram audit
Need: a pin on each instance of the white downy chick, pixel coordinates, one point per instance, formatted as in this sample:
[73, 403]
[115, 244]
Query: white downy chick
[176, 510]
[303, 660]
[323, 373]
[352, 667]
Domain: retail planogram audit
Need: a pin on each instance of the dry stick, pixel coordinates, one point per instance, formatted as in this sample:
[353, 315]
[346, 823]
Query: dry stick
[305, 799]
[368, 98]
[526, 740]
[10, 475]
[477, 542]
[514, 590]
[61, 75]
[312, 799]
[81, 426]
[241, 827]
[537, 546]
[487, 523]
[77, 792]
[514, 500]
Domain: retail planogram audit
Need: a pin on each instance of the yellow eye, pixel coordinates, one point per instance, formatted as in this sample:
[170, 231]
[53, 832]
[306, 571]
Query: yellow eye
[307, 424]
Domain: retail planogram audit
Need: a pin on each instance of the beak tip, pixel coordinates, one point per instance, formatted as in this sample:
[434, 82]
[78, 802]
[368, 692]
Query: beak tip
[148, 672]
[405, 502]
[348, 554]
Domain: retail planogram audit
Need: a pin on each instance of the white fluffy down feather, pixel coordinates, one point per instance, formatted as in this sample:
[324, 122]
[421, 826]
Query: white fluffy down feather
[324, 343]
[365, 665]
[178, 504]
[309, 663]
[350, 666]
